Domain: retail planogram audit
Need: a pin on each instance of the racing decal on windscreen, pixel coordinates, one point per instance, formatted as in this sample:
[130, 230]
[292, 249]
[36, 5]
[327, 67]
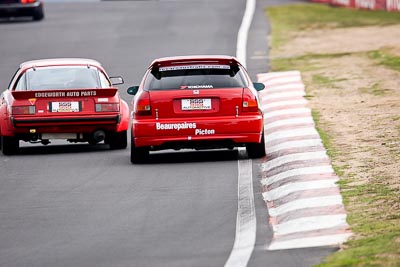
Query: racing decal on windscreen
[204, 86]
[194, 67]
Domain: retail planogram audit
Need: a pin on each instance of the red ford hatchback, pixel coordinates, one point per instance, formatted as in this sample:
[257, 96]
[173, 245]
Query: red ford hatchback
[196, 102]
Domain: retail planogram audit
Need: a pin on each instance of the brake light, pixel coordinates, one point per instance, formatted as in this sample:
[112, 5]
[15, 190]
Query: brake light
[142, 105]
[27, 1]
[107, 107]
[23, 110]
[249, 101]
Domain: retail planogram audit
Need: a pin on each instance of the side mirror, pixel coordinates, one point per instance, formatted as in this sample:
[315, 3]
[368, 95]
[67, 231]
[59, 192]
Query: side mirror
[116, 80]
[133, 90]
[259, 86]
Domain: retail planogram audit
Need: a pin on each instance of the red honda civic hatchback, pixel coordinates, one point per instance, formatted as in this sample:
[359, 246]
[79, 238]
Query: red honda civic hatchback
[66, 98]
[196, 102]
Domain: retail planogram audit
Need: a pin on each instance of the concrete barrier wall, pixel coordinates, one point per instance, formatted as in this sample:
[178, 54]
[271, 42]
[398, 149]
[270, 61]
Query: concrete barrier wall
[390, 5]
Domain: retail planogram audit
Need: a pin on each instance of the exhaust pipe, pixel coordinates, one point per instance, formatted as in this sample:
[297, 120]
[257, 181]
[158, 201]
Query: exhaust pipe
[99, 136]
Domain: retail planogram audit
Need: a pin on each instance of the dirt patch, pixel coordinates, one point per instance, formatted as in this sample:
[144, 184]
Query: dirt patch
[360, 108]
[361, 111]
[359, 105]
[347, 40]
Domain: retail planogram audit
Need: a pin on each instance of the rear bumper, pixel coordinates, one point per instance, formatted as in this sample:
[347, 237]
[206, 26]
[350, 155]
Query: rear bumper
[65, 121]
[15, 126]
[198, 133]
[19, 9]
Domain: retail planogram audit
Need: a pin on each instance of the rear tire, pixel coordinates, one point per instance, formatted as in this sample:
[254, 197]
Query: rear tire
[38, 14]
[138, 154]
[256, 150]
[118, 140]
[10, 145]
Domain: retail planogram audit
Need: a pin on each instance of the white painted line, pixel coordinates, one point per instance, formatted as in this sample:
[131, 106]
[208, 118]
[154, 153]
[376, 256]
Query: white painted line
[291, 94]
[313, 202]
[298, 171]
[318, 241]
[306, 156]
[295, 144]
[241, 45]
[285, 190]
[285, 103]
[246, 223]
[288, 111]
[310, 224]
[290, 133]
[287, 122]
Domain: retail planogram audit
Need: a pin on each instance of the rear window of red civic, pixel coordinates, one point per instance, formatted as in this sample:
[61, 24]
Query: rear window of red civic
[204, 76]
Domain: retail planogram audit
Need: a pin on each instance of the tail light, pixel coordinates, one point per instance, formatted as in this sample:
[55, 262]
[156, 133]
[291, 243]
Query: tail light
[28, 1]
[142, 105]
[107, 107]
[23, 110]
[249, 101]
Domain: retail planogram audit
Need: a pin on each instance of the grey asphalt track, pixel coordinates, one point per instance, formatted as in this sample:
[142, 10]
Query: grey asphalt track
[79, 205]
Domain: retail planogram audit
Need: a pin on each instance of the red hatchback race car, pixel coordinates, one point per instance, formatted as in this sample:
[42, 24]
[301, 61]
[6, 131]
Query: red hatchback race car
[70, 99]
[196, 102]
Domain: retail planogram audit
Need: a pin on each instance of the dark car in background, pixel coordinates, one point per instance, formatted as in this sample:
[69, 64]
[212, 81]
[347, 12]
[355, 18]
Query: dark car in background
[22, 8]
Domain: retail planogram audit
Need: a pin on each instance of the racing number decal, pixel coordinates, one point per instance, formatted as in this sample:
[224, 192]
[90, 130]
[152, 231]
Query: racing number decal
[65, 106]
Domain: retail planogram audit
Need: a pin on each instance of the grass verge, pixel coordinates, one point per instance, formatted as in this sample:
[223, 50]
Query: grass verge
[372, 207]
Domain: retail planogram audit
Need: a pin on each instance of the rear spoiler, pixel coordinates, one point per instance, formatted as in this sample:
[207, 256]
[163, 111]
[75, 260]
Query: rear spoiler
[109, 92]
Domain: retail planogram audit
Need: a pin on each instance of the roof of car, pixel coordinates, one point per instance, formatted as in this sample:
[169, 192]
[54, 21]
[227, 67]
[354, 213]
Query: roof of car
[59, 61]
[193, 59]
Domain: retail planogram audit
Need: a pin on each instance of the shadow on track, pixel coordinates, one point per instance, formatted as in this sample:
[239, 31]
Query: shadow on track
[17, 20]
[185, 156]
[62, 149]
[156, 157]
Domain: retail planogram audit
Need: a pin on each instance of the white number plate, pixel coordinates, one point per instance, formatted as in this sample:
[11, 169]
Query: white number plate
[65, 107]
[196, 104]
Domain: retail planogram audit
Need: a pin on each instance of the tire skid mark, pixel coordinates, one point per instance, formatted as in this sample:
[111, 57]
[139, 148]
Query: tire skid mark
[301, 194]
[279, 141]
[298, 182]
[300, 178]
[293, 165]
[297, 207]
[308, 234]
[309, 212]
[293, 158]
[286, 151]
[294, 145]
